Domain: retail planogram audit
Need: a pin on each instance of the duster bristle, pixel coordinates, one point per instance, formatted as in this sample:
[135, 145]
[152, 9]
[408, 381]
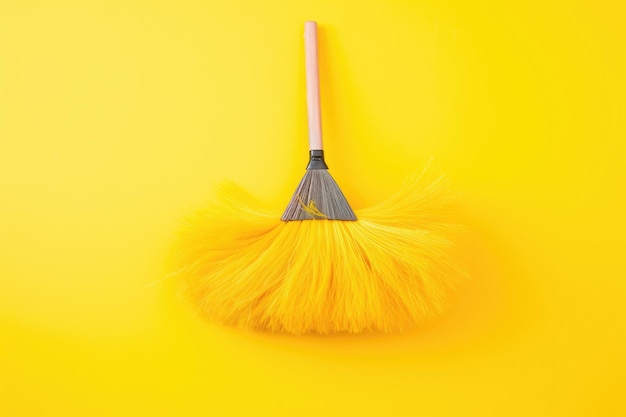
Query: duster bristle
[387, 271]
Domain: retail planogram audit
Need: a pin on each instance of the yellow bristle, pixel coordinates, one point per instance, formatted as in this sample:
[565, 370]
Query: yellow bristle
[387, 271]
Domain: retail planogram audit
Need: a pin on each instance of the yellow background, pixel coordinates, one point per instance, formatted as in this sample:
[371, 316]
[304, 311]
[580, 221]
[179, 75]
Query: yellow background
[118, 117]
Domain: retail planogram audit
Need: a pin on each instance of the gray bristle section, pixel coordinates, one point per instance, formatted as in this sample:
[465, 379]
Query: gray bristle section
[318, 197]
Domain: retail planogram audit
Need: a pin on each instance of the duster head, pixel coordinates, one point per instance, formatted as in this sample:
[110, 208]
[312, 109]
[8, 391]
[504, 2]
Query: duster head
[387, 271]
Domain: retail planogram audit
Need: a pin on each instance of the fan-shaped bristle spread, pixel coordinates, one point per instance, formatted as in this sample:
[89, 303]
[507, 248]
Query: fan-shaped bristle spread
[387, 271]
[318, 197]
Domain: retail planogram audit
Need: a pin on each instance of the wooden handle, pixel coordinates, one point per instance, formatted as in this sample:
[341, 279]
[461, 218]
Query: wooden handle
[312, 86]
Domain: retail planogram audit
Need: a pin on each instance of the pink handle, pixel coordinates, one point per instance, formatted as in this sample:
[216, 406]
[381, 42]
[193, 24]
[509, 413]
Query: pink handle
[312, 86]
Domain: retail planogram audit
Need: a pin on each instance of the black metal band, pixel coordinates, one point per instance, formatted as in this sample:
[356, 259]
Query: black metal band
[316, 160]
